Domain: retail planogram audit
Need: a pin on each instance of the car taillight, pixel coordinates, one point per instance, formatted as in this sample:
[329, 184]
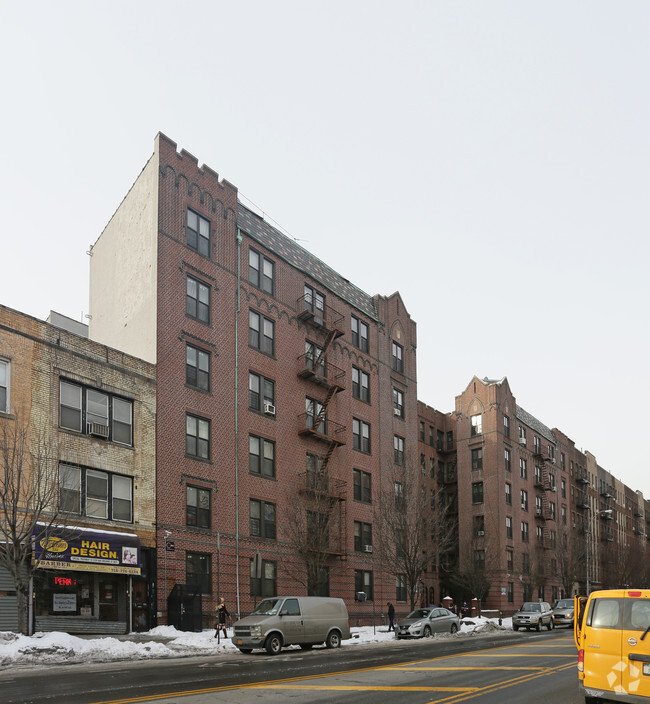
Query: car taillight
[581, 660]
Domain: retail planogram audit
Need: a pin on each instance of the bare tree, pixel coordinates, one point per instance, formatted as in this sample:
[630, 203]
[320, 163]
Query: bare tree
[402, 529]
[313, 527]
[28, 504]
[474, 583]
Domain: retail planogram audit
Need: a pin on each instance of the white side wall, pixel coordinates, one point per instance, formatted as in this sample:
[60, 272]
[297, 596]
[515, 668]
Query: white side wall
[123, 270]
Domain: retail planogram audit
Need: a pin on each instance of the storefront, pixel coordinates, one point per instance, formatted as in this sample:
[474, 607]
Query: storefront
[85, 581]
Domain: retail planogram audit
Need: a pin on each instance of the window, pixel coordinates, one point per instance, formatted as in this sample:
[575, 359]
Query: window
[359, 334]
[314, 358]
[197, 507]
[95, 413]
[197, 300]
[318, 529]
[523, 468]
[198, 233]
[450, 440]
[552, 535]
[360, 435]
[479, 526]
[319, 585]
[315, 302]
[261, 392]
[4, 386]
[522, 435]
[524, 500]
[476, 425]
[524, 532]
[90, 492]
[510, 564]
[422, 431]
[509, 493]
[262, 519]
[362, 536]
[477, 459]
[261, 333]
[562, 461]
[477, 493]
[537, 447]
[431, 436]
[261, 456]
[360, 385]
[314, 409]
[264, 583]
[400, 587]
[563, 488]
[563, 514]
[363, 582]
[198, 571]
[511, 592]
[398, 403]
[539, 508]
[506, 426]
[551, 506]
[509, 527]
[540, 535]
[398, 488]
[525, 561]
[507, 460]
[362, 486]
[398, 450]
[479, 559]
[197, 437]
[398, 357]
[197, 368]
[260, 271]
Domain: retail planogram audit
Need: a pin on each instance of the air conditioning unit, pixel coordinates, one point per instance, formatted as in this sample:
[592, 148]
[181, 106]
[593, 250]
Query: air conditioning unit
[98, 429]
[397, 411]
[522, 441]
[367, 548]
[269, 409]
[480, 533]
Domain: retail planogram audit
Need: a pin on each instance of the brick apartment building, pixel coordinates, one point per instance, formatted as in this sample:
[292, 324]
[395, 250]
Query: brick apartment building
[286, 395]
[87, 411]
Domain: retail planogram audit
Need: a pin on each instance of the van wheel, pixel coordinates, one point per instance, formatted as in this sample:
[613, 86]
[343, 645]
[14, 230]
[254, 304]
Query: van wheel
[246, 651]
[333, 639]
[273, 644]
[306, 646]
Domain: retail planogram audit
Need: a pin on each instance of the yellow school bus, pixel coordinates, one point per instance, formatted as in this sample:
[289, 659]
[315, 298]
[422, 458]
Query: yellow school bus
[612, 633]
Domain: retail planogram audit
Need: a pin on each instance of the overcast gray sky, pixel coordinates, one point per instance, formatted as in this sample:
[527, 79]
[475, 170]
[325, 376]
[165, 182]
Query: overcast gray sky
[488, 159]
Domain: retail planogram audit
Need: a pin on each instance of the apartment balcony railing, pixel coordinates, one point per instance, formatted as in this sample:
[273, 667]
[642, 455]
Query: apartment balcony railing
[327, 431]
[320, 315]
[325, 374]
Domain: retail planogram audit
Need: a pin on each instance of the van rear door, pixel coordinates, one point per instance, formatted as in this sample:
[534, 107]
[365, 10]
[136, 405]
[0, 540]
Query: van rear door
[601, 641]
[636, 643]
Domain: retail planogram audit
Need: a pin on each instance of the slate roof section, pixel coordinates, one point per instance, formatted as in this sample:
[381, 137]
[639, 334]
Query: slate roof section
[535, 424]
[285, 248]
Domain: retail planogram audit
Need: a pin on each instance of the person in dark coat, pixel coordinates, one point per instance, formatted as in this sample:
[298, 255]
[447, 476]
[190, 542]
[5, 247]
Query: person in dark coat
[391, 617]
[222, 615]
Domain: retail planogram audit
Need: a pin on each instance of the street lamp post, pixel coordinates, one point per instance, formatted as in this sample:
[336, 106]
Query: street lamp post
[588, 535]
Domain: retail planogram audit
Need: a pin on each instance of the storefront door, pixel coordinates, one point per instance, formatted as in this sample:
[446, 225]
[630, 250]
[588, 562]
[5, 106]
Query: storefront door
[108, 599]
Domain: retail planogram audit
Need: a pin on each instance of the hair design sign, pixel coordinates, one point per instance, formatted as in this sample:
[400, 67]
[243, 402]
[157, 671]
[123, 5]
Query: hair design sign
[87, 551]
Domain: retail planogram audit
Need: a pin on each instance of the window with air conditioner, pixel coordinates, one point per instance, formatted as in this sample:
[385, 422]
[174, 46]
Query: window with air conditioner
[96, 413]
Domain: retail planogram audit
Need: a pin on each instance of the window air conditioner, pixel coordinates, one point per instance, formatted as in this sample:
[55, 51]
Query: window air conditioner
[522, 441]
[269, 409]
[397, 411]
[480, 533]
[97, 429]
[367, 548]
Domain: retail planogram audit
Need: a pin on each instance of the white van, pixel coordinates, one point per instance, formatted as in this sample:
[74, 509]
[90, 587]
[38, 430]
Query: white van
[293, 620]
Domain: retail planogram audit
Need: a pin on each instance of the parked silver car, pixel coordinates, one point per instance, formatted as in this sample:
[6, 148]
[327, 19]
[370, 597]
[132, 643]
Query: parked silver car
[421, 623]
[533, 614]
[563, 612]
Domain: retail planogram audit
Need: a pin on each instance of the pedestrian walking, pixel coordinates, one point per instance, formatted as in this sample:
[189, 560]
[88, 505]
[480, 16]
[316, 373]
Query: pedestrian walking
[391, 617]
[222, 615]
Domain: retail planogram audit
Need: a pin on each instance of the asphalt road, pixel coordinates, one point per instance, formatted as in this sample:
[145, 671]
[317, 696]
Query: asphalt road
[526, 668]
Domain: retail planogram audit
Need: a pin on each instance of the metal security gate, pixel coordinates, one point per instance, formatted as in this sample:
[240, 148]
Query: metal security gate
[8, 602]
[184, 608]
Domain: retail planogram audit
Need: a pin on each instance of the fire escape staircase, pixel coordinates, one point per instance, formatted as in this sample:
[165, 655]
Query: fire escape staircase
[320, 485]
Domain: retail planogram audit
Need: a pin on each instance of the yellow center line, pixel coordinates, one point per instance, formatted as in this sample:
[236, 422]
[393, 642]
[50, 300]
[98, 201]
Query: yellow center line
[360, 688]
[447, 669]
[502, 685]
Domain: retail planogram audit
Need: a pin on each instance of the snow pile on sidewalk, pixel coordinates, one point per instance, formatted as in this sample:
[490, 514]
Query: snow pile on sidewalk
[55, 648]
